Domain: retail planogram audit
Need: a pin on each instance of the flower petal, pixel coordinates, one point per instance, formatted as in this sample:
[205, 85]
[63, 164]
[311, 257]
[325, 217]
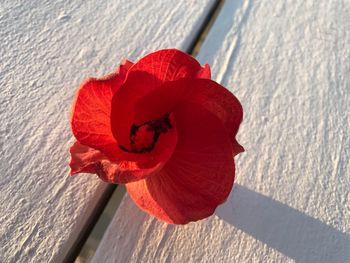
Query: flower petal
[205, 72]
[122, 117]
[207, 93]
[199, 175]
[148, 74]
[171, 64]
[90, 115]
[88, 160]
[137, 85]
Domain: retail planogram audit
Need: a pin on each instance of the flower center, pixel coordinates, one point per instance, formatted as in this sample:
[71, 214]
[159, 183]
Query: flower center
[143, 138]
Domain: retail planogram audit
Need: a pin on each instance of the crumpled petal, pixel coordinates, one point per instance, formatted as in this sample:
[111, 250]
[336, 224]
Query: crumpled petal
[90, 115]
[199, 175]
[88, 160]
[207, 93]
[91, 125]
[171, 64]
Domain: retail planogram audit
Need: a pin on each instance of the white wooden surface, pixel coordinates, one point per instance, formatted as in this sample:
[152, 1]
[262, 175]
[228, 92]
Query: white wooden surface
[289, 63]
[47, 48]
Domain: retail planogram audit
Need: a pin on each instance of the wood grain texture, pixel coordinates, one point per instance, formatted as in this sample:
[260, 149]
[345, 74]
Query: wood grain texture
[288, 62]
[47, 48]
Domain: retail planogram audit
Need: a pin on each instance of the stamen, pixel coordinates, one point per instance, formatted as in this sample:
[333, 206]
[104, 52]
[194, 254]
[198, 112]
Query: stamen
[143, 138]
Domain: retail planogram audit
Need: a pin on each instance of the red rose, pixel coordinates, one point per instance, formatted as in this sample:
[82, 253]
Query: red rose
[164, 129]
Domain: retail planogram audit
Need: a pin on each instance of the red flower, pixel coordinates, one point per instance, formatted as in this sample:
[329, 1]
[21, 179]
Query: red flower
[164, 129]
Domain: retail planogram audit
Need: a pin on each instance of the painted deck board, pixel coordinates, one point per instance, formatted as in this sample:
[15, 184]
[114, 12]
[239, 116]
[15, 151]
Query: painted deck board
[47, 48]
[288, 62]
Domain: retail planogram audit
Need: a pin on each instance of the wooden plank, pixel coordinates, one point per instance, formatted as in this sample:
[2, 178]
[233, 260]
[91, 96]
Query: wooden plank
[288, 62]
[47, 48]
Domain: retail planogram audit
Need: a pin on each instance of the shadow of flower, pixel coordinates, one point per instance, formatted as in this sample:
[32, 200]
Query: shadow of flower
[291, 232]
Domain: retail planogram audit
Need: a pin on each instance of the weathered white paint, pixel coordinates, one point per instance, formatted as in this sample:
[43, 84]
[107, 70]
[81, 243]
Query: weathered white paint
[289, 63]
[47, 48]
